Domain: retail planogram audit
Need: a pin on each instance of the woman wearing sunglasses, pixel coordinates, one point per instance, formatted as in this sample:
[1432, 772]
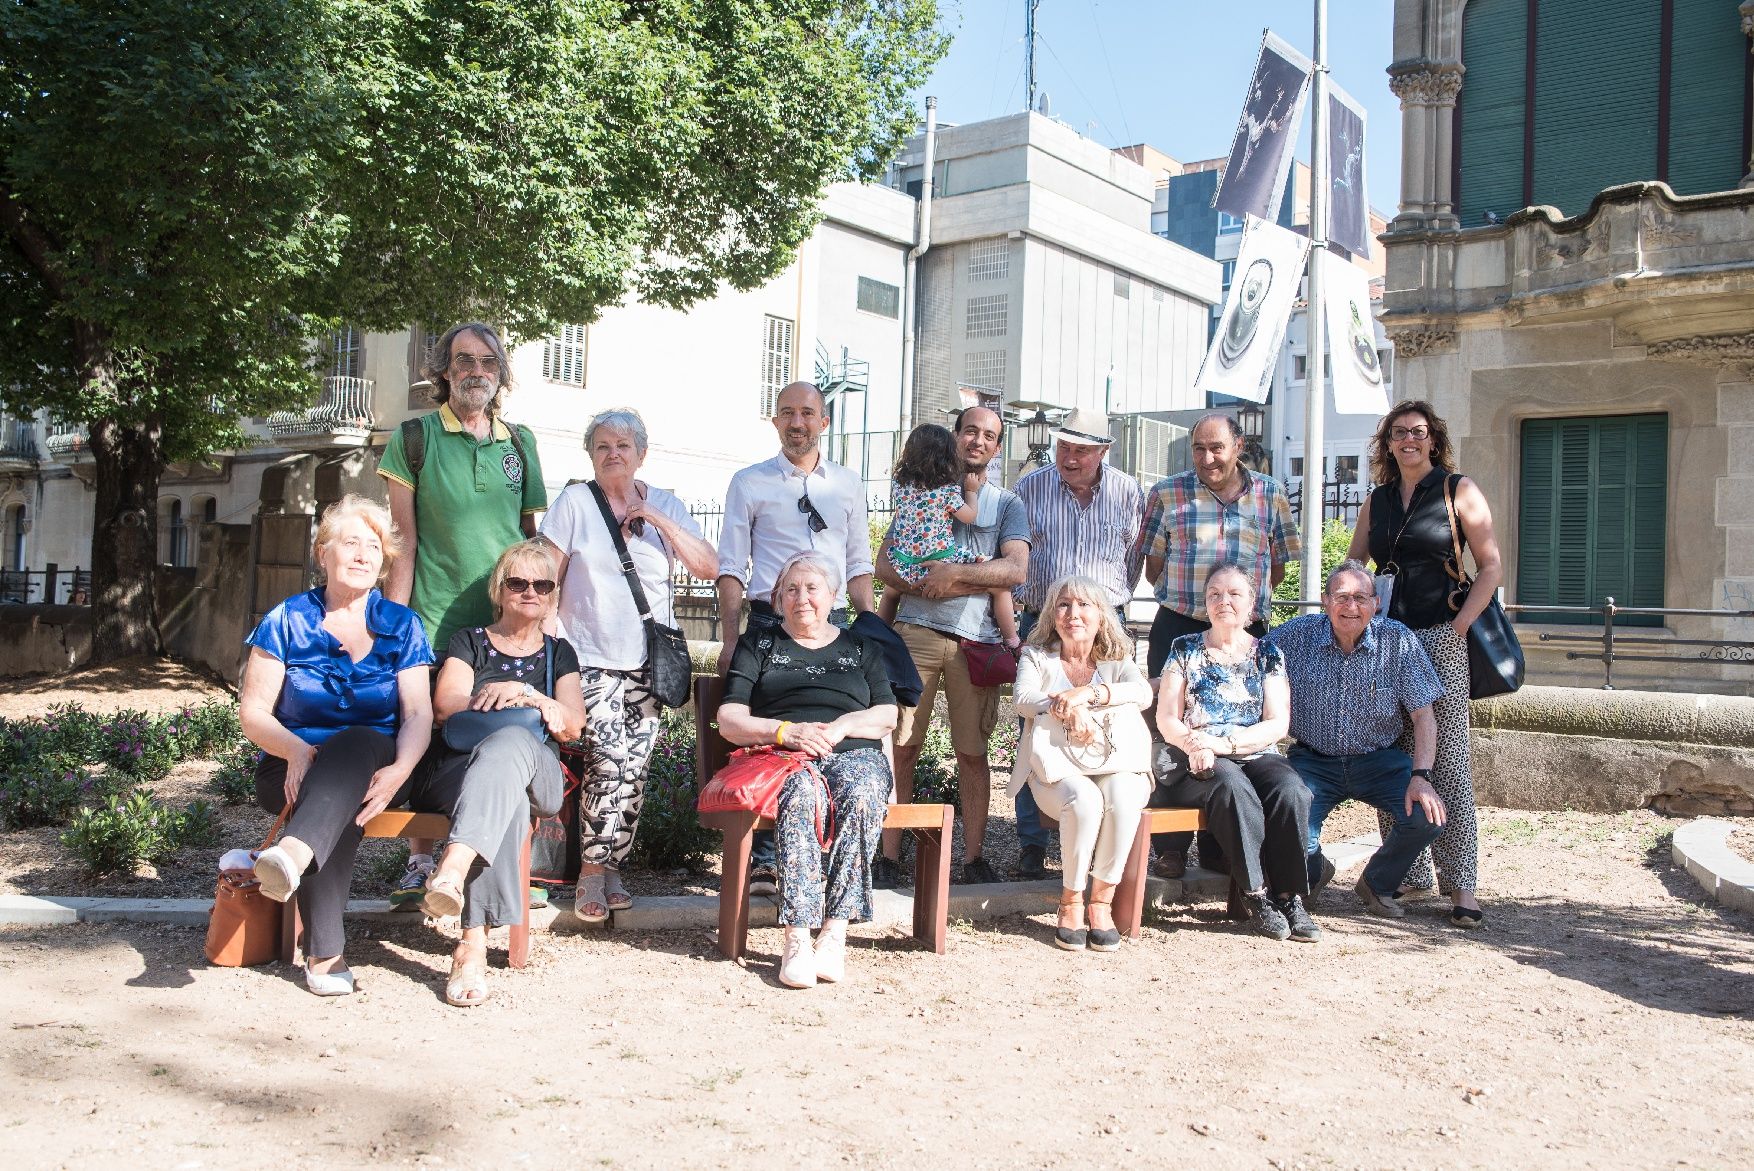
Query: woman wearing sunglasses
[600, 617]
[490, 791]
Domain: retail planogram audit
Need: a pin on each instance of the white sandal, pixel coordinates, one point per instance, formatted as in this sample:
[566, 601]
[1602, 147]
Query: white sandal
[277, 875]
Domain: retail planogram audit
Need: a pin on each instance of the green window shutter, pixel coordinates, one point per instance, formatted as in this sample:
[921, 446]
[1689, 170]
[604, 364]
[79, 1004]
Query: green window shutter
[1705, 101]
[1494, 36]
[1596, 72]
[1593, 515]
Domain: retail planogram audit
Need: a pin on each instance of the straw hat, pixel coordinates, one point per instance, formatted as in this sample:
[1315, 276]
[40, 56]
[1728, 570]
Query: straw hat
[1084, 426]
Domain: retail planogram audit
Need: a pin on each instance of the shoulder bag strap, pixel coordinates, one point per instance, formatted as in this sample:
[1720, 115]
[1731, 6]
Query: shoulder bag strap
[1455, 537]
[548, 654]
[285, 812]
[627, 570]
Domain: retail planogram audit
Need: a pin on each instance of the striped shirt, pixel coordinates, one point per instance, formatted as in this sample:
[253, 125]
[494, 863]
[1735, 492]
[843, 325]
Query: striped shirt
[1348, 704]
[1192, 530]
[1099, 542]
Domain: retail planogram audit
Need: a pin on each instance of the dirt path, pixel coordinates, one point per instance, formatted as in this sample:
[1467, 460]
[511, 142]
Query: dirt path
[1604, 1019]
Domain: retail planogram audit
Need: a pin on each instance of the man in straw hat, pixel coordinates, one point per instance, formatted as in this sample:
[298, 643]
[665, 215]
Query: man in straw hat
[1085, 517]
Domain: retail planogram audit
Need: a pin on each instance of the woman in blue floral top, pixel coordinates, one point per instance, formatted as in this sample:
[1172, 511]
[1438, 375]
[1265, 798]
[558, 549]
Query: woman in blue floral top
[1223, 704]
[337, 694]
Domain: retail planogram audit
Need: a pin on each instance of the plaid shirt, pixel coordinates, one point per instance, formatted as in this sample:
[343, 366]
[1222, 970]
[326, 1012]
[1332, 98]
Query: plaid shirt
[1100, 542]
[1192, 530]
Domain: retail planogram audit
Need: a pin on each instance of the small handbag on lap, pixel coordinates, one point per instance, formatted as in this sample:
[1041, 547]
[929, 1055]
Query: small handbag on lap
[1122, 745]
[752, 780]
[467, 728]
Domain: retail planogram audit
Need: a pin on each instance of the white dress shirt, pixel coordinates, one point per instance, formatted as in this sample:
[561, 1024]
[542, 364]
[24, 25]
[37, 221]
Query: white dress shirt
[764, 527]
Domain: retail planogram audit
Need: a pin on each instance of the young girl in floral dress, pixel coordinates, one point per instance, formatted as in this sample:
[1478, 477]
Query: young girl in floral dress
[931, 491]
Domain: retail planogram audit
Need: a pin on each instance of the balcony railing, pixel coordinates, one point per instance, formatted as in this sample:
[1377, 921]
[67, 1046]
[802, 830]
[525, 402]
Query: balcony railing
[18, 438]
[344, 409]
[65, 437]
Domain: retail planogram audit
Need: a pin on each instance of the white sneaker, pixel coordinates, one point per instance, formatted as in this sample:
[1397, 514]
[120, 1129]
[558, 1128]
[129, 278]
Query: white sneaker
[276, 874]
[798, 963]
[831, 952]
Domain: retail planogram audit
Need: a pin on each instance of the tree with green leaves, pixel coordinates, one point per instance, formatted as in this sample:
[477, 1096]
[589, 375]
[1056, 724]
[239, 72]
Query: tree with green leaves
[189, 193]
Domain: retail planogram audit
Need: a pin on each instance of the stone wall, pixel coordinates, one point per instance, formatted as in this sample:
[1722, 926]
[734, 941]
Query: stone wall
[204, 612]
[43, 640]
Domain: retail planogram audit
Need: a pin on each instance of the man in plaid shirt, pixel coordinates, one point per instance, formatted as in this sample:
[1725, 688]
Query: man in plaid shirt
[1219, 511]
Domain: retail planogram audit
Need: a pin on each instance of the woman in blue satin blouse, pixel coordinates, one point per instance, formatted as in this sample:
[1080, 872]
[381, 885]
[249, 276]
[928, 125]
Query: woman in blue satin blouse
[337, 694]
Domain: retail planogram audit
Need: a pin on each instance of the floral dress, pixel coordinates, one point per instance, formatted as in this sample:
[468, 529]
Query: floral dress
[920, 532]
[1223, 697]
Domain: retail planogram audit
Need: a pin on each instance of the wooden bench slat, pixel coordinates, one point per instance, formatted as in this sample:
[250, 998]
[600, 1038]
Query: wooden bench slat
[400, 823]
[899, 817]
[1164, 821]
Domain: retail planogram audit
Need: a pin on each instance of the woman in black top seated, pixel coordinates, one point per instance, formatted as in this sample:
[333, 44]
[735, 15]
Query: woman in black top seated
[1404, 526]
[490, 791]
[813, 687]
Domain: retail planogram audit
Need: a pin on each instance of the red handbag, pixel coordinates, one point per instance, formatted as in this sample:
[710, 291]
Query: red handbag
[990, 664]
[752, 781]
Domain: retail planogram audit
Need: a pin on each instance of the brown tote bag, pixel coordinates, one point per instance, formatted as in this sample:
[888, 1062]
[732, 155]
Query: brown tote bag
[243, 929]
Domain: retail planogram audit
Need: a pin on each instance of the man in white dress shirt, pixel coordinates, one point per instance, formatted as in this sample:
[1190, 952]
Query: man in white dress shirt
[782, 506]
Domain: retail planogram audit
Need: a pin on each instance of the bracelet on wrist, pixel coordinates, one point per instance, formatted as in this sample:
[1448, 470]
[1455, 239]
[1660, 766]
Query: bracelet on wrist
[779, 734]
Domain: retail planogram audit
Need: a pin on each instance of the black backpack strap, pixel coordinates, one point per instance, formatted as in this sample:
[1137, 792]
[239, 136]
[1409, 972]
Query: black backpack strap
[520, 436]
[414, 445]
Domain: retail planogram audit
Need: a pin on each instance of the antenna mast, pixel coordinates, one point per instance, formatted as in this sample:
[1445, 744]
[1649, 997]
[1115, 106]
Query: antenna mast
[1029, 7]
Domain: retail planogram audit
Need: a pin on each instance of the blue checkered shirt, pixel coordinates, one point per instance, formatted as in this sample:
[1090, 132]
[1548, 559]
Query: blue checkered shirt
[1346, 704]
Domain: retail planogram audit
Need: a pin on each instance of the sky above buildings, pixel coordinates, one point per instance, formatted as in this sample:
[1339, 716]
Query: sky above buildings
[1166, 72]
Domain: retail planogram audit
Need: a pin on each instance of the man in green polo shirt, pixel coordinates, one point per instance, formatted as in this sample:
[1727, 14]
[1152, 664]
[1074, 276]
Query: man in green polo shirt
[474, 489]
[463, 486]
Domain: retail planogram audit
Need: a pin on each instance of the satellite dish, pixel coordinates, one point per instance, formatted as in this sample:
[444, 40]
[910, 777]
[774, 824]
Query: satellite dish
[1043, 106]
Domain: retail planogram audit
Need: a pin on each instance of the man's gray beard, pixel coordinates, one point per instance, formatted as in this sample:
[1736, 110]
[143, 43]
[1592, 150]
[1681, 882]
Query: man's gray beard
[473, 399]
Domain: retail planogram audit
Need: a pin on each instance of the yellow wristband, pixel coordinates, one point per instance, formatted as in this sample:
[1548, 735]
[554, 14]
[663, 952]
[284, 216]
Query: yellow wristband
[779, 735]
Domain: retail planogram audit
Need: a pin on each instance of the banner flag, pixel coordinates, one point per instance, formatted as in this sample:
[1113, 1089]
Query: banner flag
[1358, 380]
[1348, 207]
[1243, 352]
[1266, 135]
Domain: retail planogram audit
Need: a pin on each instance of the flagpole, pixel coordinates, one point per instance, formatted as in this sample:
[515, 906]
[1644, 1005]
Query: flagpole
[1315, 409]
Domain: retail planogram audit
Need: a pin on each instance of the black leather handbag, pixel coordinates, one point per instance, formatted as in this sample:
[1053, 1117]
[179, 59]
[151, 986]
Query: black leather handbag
[666, 647]
[466, 729]
[1495, 654]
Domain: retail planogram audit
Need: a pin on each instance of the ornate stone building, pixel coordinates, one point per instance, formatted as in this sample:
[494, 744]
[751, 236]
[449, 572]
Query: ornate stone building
[1571, 285]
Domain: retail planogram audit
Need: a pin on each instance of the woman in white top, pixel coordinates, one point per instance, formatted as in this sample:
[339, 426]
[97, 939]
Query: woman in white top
[1079, 659]
[598, 616]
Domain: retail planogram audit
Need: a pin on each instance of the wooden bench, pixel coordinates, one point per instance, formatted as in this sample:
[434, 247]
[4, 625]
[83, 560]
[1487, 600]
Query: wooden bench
[931, 825]
[399, 823]
[1129, 896]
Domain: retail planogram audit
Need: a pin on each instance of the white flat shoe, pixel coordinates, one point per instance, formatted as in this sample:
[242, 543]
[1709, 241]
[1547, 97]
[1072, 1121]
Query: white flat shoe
[831, 954]
[798, 963]
[278, 876]
[329, 983]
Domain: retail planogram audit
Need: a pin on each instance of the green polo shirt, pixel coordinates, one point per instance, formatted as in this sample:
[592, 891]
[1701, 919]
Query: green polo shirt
[469, 504]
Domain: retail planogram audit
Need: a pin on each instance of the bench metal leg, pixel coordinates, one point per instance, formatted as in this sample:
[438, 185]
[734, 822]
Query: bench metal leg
[932, 883]
[1129, 897]
[1236, 907]
[519, 945]
[739, 829]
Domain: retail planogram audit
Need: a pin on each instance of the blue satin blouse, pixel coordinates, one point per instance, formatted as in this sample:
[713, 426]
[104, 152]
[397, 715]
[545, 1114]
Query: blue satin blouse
[325, 690]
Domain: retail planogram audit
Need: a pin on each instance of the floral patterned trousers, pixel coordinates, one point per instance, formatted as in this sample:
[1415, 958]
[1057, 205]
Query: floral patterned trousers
[837, 884]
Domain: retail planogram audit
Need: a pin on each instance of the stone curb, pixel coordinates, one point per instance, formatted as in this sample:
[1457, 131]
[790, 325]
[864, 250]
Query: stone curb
[891, 908]
[1701, 848]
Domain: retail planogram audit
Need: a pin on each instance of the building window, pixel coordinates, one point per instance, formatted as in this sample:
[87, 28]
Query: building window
[989, 260]
[1229, 225]
[1300, 366]
[1594, 507]
[1296, 467]
[342, 353]
[1346, 469]
[987, 316]
[1226, 273]
[1123, 286]
[176, 534]
[563, 356]
[17, 525]
[879, 297]
[984, 369]
[776, 361]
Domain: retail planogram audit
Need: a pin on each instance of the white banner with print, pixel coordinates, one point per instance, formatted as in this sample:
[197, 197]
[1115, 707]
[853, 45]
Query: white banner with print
[1245, 349]
[1358, 381]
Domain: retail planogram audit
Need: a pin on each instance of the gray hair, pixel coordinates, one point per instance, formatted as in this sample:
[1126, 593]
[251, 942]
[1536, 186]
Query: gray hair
[623, 419]
[1218, 416]
[812, 561]
[1229, 566]
[1350, 565]
[436, 368]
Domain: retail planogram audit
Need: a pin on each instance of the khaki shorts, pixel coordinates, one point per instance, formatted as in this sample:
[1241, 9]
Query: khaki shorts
[973, 710]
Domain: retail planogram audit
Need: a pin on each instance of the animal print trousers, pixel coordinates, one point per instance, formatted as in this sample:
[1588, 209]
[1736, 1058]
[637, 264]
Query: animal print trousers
[1457, 850]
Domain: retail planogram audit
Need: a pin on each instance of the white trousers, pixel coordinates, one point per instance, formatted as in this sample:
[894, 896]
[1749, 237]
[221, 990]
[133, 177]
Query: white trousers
[1098, 817]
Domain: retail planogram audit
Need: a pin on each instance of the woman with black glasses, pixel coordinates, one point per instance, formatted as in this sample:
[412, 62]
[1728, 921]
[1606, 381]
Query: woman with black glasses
[601, 619]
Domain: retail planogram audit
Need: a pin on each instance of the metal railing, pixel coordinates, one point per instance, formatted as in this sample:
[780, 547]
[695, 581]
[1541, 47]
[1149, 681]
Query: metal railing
[65, 437]
[344, 409]
[1340, 501]
[1721, 650]
[68, 587]
[18, 438]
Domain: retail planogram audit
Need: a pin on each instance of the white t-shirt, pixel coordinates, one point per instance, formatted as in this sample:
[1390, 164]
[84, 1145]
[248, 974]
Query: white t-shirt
[596, 607]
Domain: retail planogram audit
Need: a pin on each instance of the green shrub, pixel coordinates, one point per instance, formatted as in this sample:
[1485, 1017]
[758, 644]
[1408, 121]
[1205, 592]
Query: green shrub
[73, 732]
[235, 779]
[1336, 540]
[130, 828]
[935, 776]
[670, 834]
[45, 796]
[197, 824]
[145, 748]
[214, 729]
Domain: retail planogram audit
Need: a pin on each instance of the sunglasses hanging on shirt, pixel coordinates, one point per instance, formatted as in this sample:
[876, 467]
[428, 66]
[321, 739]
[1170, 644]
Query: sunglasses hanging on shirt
[817, 524]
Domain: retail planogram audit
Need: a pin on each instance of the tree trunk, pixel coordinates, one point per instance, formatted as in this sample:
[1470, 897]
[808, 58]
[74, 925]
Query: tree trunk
[124, 542]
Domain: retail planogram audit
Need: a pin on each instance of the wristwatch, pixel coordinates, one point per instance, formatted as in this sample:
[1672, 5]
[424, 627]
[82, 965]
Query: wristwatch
[528, 691]
[1422, 772]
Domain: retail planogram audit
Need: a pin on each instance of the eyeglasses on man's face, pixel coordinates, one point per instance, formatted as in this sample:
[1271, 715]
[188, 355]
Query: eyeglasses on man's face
[518, 585]
[817, 524]
[1352, 599]
[1419, 432]
[469, 363]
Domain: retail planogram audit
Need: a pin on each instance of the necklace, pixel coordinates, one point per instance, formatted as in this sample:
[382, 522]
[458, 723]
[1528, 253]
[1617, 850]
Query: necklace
[1079, 673]
[1229, 655]
[515, 647]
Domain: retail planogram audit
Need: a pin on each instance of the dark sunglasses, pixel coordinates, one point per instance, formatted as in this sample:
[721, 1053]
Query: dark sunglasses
[518, 585]
[817, 524]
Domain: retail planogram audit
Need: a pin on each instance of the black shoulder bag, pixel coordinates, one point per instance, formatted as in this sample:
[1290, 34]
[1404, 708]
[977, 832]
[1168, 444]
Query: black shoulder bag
[666, 647]
[1495, 655]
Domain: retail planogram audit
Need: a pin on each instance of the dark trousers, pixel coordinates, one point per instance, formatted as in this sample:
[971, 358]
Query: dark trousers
[1166, 627]
[328, 801]
[1259, 812]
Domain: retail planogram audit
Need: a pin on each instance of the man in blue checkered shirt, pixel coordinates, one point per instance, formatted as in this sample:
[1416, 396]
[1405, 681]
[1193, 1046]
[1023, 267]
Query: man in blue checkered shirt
[1355, 684]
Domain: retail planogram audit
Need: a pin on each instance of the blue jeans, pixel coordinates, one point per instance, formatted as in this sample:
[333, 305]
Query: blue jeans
[1029, 829]
[1378, 779]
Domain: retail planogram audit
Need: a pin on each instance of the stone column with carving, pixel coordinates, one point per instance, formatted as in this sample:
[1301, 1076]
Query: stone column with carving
[1428, 91]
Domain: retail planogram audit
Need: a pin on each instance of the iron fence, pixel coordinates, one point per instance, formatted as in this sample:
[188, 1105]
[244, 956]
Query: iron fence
[67, 587]
[1340, 501]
